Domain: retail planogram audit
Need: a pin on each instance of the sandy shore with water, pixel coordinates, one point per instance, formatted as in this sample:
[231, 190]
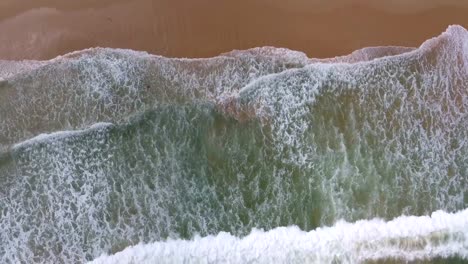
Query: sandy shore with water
[31, 29]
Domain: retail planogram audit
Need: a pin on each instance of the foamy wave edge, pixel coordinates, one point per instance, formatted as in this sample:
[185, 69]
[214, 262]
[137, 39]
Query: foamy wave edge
[54, 136]
[10, 68]
[405, 238]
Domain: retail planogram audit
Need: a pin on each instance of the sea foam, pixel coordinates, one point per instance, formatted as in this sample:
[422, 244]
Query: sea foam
[59, 135]
[406, 238]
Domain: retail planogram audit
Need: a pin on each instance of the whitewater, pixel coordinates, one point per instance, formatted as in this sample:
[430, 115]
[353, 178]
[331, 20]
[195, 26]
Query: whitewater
[253, 156]
[406, 238]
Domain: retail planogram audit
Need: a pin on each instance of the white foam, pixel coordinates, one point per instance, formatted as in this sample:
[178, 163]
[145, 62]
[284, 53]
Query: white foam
[59, 135]
[9, 69]
[404, 238]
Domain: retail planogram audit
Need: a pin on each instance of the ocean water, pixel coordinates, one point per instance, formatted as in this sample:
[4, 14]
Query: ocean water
[256, 156]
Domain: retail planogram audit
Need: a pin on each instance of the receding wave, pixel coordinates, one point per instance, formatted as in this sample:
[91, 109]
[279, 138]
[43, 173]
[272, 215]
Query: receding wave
[104, 149]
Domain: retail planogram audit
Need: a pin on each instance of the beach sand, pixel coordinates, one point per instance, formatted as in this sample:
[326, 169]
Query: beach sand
[31, 29]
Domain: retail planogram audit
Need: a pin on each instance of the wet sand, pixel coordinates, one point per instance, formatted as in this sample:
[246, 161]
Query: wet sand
[31, 29]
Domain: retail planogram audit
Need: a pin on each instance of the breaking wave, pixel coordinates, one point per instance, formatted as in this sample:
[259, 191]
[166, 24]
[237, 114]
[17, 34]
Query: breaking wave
[406, 238]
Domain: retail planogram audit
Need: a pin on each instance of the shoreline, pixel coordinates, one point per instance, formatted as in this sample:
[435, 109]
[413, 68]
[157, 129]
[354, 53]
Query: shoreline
[209, 28]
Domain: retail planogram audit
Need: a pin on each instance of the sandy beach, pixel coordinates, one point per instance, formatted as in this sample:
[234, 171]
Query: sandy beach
[47, 28]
